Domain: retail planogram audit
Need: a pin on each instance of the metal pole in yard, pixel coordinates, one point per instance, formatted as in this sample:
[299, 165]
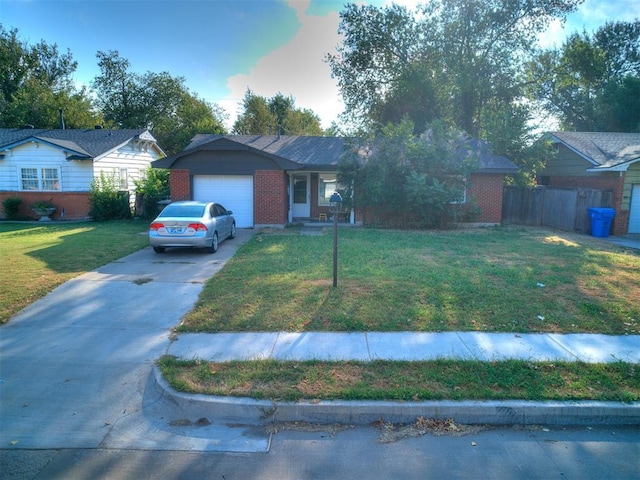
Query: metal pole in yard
[335, 201]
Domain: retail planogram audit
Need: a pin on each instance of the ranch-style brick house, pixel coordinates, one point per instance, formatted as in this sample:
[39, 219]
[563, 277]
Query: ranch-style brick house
[273, 180]
[59, 165]
[603, 161]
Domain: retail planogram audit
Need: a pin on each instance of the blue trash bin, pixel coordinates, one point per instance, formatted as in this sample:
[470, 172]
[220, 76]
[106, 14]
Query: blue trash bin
[601, 219]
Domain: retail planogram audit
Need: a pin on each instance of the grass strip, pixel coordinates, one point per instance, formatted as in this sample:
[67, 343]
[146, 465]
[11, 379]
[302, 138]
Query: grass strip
[406, 381]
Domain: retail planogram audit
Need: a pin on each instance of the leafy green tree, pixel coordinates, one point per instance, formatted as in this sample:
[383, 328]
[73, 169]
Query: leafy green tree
[36, 85]
[618, 106]
[510, 131]
[256, 119]
[15, 63]
[119, 92]
[591, 82]
[192, 115]
[262, 116]
[378, 46]
[157, 101]
[453, 58]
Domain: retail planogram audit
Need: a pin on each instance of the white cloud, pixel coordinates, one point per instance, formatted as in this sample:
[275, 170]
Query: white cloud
[296, 69]
[553, 36]
[590, 15]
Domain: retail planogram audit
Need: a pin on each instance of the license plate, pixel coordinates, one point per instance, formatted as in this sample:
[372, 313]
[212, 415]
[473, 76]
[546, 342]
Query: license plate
[174, 230]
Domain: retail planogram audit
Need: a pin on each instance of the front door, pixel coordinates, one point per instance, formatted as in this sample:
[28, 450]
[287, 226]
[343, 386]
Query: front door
[301, 207]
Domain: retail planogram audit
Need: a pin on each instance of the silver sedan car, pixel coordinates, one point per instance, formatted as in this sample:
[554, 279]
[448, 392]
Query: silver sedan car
[192, 224]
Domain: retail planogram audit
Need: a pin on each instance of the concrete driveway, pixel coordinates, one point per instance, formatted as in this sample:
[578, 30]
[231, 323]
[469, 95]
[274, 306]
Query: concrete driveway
[75, 366]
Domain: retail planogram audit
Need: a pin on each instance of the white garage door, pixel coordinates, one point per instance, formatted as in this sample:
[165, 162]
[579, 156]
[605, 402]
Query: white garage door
[234, 192]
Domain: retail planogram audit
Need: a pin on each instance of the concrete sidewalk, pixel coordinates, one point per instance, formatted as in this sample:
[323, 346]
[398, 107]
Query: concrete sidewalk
[589, 348]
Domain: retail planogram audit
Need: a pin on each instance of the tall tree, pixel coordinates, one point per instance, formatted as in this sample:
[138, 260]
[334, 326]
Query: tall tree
[158, 101]
[256, 118]
[119, 91]
[15, 63]
[36, 84]
[378, 48]
[586, 81]
[459, 57]
[262, 116]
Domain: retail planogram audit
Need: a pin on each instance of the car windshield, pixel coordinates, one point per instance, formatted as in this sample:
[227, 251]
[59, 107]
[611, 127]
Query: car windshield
[183, 211]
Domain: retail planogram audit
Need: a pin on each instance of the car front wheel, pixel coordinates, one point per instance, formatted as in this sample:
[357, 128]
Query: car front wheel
[158, 249]
[214, 243]
[233, 230]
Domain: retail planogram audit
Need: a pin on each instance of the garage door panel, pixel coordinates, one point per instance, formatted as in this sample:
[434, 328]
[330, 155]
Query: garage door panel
[234, 192]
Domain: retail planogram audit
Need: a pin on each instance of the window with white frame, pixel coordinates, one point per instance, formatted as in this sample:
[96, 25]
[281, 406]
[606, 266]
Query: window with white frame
[124, 179]
[327, 184]
[40, 179]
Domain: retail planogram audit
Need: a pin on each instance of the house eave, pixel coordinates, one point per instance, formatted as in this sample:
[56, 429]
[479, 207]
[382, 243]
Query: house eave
[620, 167]
[557, 140]
[283, 163]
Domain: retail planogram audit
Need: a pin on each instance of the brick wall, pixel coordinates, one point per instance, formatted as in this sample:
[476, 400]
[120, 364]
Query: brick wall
[180, 185]
[486, 191]
[69, 205]
[270, 197]
[601, 182]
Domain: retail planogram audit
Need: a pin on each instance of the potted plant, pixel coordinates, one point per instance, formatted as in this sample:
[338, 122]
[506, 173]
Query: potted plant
[43, 209]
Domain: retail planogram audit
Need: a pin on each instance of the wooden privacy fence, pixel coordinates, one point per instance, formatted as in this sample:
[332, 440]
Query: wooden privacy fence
[555, 207]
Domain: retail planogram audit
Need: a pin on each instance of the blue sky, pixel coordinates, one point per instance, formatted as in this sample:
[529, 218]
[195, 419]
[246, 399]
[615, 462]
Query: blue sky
[223, 47]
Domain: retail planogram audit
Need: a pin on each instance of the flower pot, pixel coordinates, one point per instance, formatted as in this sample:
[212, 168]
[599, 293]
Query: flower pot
[44, 213]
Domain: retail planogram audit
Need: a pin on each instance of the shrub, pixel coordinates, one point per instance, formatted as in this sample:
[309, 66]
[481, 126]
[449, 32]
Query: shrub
[153, 187]
[410, 181]
[11, 206]
[107, 201]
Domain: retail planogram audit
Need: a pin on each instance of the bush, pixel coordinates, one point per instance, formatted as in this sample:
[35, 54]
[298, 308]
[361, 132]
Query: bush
[408, 181]
[154, 187]
[11, 206]
[107, 201]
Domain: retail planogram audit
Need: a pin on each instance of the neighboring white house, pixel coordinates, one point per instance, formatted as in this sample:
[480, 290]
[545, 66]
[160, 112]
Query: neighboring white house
[59, 165]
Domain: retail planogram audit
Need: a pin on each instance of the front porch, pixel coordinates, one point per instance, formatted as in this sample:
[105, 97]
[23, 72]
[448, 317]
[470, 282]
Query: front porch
[309, 198]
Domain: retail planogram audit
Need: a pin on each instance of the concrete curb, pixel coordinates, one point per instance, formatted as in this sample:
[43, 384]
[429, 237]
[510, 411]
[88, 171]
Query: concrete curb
[259, 412]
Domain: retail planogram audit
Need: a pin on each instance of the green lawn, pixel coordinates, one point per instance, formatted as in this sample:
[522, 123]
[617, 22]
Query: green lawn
[508, 279]
[35, 258]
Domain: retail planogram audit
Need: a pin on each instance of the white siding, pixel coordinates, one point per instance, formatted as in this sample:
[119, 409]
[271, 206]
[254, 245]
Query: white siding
[30, 154]
[8, 176]
[75, 175]
[130, 157]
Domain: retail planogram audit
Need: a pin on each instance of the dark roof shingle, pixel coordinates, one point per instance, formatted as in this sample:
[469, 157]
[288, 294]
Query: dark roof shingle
[602, 149]
[317, 152]
[89, 143]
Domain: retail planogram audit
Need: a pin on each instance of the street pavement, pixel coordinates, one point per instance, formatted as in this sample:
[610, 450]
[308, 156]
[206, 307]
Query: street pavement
[77, 367]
